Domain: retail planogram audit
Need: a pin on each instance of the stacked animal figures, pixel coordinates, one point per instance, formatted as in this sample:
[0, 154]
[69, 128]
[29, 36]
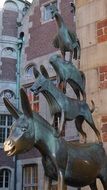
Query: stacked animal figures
[72, 164]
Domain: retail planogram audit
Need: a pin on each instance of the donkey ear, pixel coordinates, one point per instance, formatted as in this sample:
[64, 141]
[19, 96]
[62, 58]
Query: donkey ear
[44, 71]
[25, 103]
[35, 72]
[15, 113]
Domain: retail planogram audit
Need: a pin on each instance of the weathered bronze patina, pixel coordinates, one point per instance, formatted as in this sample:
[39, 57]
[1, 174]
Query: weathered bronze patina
[67, 107]
[67, 72]
[72, 164]
[65, 40]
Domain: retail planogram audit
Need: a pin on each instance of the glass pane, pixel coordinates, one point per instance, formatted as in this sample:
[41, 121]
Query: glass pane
[8, 131]
[30, 71]
[2, 135]
[1, 178]
[36, 107]
[47, 11]
[9, 120]
[6, 178]
[35, 98]
[2, 119]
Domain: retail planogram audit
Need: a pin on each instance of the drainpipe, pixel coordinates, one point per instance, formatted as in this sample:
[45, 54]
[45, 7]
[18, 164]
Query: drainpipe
[19, 50]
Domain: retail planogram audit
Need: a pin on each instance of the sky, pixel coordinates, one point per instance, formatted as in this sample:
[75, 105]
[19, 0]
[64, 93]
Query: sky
[2, 2]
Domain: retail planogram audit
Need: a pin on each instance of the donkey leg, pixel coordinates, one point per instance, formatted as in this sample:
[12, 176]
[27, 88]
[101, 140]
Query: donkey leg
[47, 183]
[93, 186]
[60, 181]
[78, 123]
[52, 119]
[60, 127]
[103, 178]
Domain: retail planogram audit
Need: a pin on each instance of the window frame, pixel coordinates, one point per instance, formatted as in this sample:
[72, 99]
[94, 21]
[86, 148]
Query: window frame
[43, 9]
[28, 177]
[3, 182]
[6, 127]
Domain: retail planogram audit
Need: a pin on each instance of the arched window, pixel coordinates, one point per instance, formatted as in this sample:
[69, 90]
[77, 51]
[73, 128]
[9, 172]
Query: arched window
[9, 52]
[5, 176]
[10, 5]
[8, 94]
[29, 70]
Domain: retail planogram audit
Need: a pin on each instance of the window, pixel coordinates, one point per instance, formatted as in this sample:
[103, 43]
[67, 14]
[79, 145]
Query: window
[7, 94]
[9, 52]
[4, 179]
[30, 177]
[5, 123]
[34, 100]
[29, 70]
[46, 11]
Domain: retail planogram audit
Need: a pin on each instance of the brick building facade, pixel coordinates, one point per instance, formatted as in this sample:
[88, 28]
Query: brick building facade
[92, 32]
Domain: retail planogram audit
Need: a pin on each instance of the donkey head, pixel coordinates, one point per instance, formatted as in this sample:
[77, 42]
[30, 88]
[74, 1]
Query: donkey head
[41, 80]
[55, 60]
[21, 137]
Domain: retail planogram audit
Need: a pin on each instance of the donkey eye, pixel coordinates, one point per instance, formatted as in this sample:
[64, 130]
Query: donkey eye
[24, 129]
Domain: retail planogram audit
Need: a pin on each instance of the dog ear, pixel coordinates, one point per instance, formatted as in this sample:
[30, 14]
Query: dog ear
[44, 71]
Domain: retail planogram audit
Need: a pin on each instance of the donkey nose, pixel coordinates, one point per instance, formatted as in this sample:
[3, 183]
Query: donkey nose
[8, 142]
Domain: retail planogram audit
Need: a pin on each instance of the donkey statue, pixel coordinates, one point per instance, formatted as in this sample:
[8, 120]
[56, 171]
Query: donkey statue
[67, 72]
[72, 164]
[68, 108]
[65, 40]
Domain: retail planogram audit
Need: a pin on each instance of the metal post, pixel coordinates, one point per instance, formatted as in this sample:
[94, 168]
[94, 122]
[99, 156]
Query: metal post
[19, 48]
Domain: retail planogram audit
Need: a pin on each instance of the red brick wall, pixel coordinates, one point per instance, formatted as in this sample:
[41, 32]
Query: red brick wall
[104, 128]
[102, 31]
[8, 69]
[41, 35]
[30, 154]
[103, 76]
[5, 160]
[9, 23]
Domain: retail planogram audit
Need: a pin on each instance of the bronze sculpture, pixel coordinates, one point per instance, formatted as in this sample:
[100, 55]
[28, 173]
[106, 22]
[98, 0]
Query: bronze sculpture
[72, 164]
[60, 103]
[67, 72]
[65, 40]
